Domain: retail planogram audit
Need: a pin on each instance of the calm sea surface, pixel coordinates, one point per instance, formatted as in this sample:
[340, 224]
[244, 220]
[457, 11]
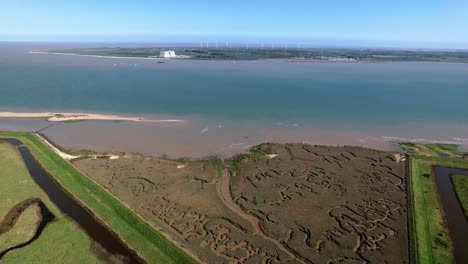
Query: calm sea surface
[402, 100]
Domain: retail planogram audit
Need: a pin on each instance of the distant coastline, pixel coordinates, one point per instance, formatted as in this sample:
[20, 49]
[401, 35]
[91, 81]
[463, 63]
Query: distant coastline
[96, 56]
[256, 53]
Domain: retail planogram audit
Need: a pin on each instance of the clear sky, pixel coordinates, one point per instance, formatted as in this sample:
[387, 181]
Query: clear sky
[386, 23]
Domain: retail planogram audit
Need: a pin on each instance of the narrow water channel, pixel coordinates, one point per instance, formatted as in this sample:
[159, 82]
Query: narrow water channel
[74, 210]
[454, 213]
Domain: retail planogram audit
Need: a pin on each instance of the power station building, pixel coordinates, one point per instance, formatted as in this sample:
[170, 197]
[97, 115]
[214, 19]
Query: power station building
[167, 54]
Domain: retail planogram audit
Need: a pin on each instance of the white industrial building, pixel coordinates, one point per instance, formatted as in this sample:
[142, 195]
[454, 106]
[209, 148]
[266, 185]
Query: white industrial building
[167, 54]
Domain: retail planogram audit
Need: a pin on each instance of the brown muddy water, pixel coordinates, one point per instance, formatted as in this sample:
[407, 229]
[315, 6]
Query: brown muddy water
[74, 210]
[454, 214]
[199, 137]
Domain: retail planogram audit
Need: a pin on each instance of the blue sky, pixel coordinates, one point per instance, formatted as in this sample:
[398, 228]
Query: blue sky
[396, 23]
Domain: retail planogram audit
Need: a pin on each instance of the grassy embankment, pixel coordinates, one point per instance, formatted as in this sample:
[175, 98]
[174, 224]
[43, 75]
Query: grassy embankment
[431, 242]
[61, 241]
[149, 243]
[461, 187]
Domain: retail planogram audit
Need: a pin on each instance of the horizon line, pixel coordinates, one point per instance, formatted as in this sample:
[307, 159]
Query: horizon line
[240, 43]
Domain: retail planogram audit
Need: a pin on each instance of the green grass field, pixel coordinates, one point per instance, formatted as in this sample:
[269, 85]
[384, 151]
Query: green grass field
[148, 242]
[461, 187]
[430, 236]
[62, 240]
[24, 228]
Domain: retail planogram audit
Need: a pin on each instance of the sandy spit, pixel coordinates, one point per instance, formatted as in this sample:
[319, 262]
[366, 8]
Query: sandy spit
[62, 117]
[111, 57]
[95, 56]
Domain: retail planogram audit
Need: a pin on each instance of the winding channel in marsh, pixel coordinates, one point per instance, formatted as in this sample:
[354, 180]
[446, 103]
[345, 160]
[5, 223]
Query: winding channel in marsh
[70, 207]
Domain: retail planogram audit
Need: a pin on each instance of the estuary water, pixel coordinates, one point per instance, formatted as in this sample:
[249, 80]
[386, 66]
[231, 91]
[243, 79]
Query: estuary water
[231, 105]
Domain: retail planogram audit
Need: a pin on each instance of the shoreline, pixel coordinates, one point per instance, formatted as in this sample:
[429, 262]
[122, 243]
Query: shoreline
[197, 137]
[177, 138]
[101, 56]
[291, 60]
[66, 116]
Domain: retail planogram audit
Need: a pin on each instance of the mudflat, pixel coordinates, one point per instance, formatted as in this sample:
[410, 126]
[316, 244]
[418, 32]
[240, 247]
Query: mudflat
[328, 204]
[182, 200]
[287, 203]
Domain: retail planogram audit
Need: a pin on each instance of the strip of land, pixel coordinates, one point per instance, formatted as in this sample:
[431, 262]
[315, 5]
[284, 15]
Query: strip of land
[98, 56]
[66, 117]
[461, 187]
[257, 53]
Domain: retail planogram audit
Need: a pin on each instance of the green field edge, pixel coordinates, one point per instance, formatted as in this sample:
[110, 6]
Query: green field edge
[423, 228]
[139, 235]
[412, 238]
[417, 237]
[460, 183]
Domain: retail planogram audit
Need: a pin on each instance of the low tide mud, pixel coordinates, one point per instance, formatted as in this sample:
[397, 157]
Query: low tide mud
[182, 200]
[12, 217]
[328, 204]
[296, 204]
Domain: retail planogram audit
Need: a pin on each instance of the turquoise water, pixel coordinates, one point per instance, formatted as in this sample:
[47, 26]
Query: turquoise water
[328, 94]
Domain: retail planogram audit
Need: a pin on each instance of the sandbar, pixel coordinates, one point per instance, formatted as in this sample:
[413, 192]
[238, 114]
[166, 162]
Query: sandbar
[110, 57]
[64, 117]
